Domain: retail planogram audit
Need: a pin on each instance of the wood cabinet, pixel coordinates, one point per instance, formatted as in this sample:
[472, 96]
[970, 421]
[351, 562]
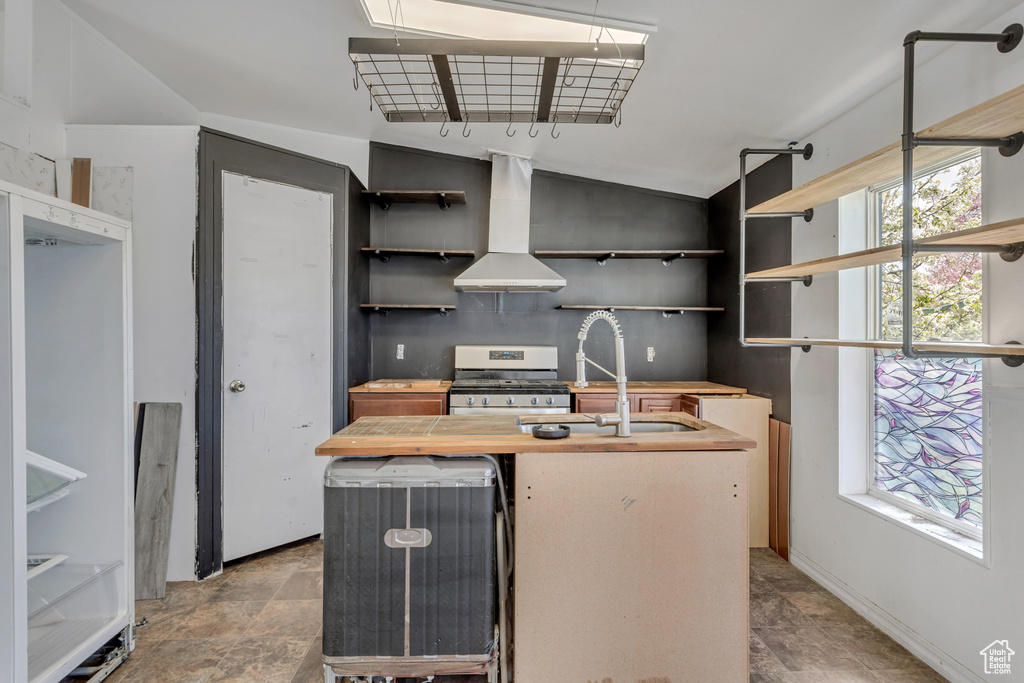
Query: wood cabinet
[396, 403]
[638, 403]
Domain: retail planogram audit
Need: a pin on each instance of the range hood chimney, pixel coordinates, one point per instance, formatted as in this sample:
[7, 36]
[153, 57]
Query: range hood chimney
[508, 266]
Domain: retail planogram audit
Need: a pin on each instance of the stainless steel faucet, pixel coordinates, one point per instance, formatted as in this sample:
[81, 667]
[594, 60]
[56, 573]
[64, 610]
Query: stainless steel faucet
[621, 417]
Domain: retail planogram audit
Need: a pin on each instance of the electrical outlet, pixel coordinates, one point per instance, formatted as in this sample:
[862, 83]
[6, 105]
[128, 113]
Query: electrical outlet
[400, 352]
[650, 354]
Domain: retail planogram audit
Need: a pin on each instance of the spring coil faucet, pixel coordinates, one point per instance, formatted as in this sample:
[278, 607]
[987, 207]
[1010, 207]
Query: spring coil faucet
[621, 417]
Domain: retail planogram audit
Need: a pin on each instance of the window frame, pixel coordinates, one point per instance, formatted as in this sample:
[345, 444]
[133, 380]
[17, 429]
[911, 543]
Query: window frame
[874, 326]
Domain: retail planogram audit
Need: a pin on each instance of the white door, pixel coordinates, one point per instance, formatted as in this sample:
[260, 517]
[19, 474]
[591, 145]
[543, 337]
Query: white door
[276, 380]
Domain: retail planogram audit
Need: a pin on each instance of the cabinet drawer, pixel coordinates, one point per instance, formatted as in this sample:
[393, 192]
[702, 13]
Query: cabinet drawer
[658, 403]
[363, 405]
[596, 403]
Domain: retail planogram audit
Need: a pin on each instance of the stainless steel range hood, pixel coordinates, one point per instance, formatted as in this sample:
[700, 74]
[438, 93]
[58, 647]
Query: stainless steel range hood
[508, 266]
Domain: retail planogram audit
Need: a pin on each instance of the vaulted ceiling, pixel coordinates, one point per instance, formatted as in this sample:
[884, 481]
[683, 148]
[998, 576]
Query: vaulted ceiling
[719, 75]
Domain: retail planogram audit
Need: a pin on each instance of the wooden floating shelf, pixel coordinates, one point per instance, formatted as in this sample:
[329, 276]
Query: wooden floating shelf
[663, 309]
[601, 256]
[442, 198]
[1006, 232]
[1001, 116]
[385, 254]
[384, 309]
[934, 346]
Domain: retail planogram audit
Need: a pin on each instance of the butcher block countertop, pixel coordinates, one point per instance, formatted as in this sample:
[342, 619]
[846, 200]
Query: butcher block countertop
[658, 388]
[452, 434]
[403, 386]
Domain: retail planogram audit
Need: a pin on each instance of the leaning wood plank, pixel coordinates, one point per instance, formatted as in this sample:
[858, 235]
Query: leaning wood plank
[1006, 232]
[153, 503]
[783, 513]
[81, 182]
[773, 484]
[942, 346]
[999, 117]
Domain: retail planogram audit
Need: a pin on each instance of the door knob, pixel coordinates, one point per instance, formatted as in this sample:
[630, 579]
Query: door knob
[237, 386]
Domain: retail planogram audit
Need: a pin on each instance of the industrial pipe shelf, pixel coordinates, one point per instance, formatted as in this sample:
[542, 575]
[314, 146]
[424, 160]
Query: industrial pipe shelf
[1005, 237]
[947, 347]
[443, 198]
[664, 309]
[385, 253]
[999, 117]
[997, 123]
[384, 309]
[602, 256]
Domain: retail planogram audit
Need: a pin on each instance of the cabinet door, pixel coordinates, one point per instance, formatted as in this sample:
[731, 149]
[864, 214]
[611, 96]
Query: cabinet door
[361, 405]
[690, 404]
[658, 403]
[596, 403]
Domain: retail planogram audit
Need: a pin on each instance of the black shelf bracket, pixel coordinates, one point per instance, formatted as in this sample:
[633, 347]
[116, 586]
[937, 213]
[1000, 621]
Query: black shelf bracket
[381, 202]
[384, 312]
[384, 258]
[445, 258]
[444, 312]
[443, 202]
[604, 259]
[667, 261]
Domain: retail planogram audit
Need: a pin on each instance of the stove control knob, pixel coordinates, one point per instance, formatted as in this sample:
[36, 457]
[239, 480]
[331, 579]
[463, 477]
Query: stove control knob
[486, 400]
[509, 400]
[469, 401]
[534, 400]
[551, 400]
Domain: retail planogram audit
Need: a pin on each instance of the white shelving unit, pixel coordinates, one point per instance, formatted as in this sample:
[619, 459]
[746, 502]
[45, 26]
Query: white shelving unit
[65, 407]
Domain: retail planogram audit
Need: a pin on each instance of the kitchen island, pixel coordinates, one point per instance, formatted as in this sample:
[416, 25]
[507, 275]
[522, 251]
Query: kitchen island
[630, 555]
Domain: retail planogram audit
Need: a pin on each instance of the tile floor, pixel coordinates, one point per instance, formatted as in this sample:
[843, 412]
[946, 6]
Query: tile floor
[261, 621]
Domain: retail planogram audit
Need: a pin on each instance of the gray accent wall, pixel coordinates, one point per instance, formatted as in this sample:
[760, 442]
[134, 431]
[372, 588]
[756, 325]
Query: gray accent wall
[566, 213]
[763, 371]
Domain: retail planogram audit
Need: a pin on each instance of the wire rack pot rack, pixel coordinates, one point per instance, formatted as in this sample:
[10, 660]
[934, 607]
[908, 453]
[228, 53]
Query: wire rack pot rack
[997, 123]
[442, 80]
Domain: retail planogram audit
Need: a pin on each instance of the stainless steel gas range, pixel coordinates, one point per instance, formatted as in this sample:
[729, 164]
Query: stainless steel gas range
[510, 380]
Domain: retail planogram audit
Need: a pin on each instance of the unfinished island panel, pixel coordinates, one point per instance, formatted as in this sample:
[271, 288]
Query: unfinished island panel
[631, 566]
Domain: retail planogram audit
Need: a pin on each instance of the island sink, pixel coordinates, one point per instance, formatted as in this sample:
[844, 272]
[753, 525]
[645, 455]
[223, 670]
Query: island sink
[609, 430]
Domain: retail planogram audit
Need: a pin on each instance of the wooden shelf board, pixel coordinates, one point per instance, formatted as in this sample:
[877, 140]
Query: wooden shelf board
[597, 307]
[629, 253]
[415, 196]
[998, 117]
[433, 307]
[428, 252]
[1006, 232]
[937, 346]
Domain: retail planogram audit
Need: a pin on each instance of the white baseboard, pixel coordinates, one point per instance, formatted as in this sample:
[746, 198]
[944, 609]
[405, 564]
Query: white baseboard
[926, 651]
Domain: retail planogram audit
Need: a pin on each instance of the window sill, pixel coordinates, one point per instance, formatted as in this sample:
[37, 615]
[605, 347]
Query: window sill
[959, 543]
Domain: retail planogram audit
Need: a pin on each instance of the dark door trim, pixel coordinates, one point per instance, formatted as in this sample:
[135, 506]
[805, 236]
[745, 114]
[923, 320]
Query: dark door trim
[219, 152]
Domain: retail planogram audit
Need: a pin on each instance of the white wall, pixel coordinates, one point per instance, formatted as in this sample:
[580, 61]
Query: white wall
[943, 605]
[163, 231]
[78, 76]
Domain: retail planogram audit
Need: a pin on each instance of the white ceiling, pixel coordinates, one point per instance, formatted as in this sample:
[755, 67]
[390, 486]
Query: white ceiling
[719, 75]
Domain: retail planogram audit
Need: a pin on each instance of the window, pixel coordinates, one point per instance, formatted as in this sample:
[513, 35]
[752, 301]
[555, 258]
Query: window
[928, 412]
[496, 20]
